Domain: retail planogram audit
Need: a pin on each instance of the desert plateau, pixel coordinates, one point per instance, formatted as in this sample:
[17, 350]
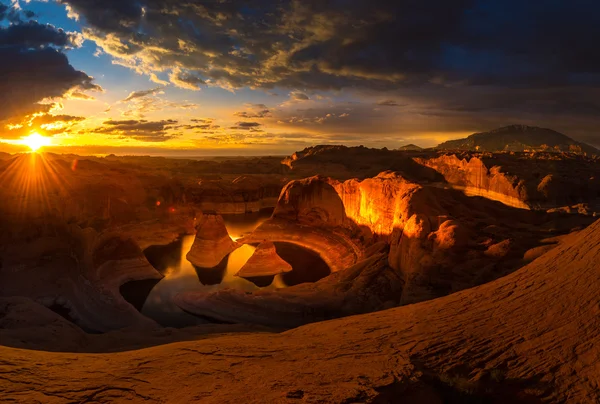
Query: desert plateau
[334, 202]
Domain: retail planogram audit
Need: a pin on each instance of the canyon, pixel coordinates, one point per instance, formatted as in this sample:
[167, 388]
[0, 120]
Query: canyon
[432, 265]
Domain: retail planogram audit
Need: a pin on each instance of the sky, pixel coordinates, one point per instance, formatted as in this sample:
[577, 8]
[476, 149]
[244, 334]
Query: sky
[233, 77]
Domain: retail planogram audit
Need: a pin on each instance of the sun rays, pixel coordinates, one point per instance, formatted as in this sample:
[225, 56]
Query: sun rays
[37, 185]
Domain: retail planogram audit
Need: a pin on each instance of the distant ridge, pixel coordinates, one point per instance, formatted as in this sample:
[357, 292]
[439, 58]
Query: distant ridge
[410, 147]
[520, 138]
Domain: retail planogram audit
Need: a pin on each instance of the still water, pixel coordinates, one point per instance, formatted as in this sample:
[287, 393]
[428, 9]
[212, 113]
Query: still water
[155, 300]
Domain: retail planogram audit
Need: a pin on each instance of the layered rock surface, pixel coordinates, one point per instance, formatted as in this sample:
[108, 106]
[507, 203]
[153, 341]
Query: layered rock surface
[212, 242]
[531, 336]
[440, 241]
[264, 262]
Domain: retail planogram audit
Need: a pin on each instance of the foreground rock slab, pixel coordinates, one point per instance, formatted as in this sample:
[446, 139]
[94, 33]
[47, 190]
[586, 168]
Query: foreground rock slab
[264, 262]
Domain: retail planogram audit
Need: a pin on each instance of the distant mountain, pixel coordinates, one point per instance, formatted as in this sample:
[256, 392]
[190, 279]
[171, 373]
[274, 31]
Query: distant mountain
[410, 147]
[520, 138]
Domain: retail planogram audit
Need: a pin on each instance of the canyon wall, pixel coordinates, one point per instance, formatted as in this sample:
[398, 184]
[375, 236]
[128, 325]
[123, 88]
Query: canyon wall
[528, 181]
[473, 177]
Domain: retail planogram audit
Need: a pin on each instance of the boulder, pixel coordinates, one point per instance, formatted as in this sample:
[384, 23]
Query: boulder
[212, 242]
[264, 262]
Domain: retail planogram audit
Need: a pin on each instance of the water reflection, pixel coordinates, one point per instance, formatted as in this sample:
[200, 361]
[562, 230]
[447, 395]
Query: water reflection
[182, 276]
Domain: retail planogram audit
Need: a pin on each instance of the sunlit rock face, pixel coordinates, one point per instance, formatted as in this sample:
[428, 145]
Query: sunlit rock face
[528, 181]
[76, 272]
[264, 262]
[212, 242]
[475, 178]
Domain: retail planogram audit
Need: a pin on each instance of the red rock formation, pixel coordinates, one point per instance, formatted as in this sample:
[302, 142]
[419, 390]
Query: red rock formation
[212, 242]
[475, 178]
[77, 271]
[435, 238]
[264, 262]
[532, 336]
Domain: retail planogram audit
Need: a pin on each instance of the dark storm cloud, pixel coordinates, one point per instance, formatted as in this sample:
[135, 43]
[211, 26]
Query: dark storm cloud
[34, 35]
[143, 130]
[388, 103]
[370, 42]
[522, 61]
[34, 67]
[247, 126]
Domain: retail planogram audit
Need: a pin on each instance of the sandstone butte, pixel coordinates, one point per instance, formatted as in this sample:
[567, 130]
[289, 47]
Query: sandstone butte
[212, 242]
[536, 332]
[264, 262]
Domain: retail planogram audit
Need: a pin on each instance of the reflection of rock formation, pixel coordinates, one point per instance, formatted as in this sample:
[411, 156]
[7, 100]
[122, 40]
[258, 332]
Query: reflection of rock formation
[528, 337]
[78, 272]
[264, 262]
[212, 275]
[366, 286]
[212, 242]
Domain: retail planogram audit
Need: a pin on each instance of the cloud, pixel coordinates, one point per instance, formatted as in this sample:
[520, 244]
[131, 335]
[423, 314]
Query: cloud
[254, 111]
[142, 130]
[187, 80]
[141, 103]
[80, 96]
[298, 96]
[32, 34]
[45, 124]
[35, 73]
[138, 94]
[247, 126]
[388, 103]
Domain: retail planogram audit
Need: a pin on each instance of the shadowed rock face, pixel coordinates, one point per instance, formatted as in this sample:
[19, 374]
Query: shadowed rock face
[264, 262]
[77, 272]
[212, 242]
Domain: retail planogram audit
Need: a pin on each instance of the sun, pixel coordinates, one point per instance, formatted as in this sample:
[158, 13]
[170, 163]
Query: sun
[35, 141]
